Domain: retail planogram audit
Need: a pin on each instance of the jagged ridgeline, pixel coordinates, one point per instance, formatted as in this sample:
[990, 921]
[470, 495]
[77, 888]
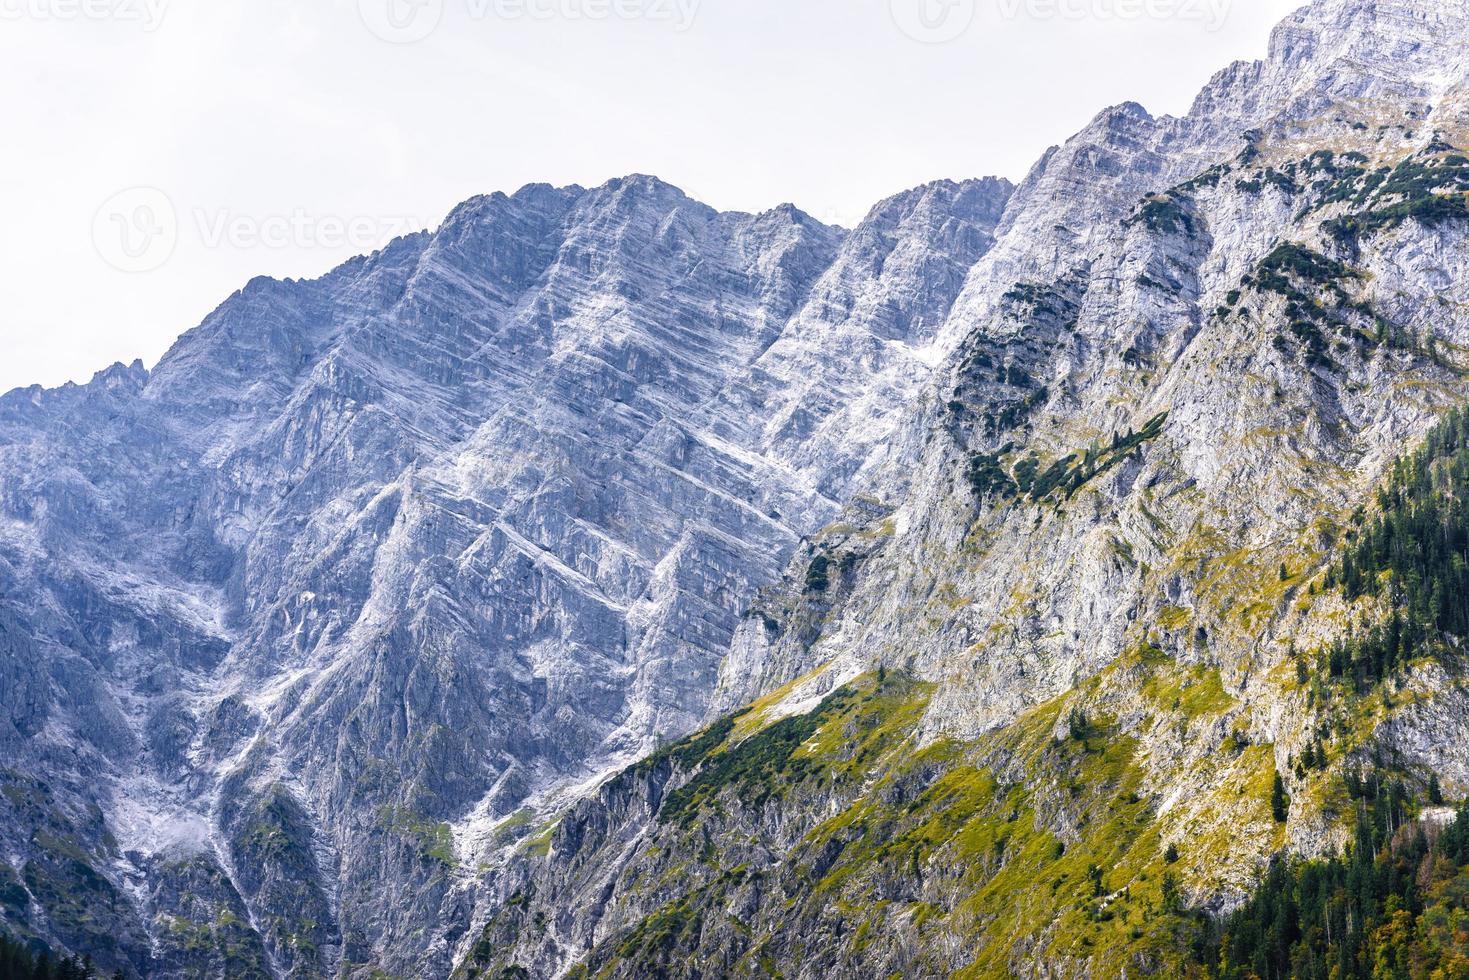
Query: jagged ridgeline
[1045, 549]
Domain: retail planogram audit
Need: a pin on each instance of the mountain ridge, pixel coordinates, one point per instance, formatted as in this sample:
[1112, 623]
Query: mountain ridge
[329, 642]
[297, 405]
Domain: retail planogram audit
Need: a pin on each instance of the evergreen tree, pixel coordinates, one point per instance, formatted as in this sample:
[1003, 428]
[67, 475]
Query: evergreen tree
[1279, 801]
[1172, 897]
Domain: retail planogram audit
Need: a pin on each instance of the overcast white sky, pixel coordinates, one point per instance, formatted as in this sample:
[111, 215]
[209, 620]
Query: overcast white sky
[280, 137]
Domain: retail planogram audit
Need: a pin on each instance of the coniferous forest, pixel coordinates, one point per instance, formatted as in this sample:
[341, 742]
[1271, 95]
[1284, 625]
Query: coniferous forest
[19, 963]
[1396, 907]
[1413, 553]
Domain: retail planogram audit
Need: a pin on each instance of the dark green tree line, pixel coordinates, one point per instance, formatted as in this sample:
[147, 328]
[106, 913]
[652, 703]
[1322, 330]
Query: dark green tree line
[1392, 907]
[1414, 553]
[17, 962]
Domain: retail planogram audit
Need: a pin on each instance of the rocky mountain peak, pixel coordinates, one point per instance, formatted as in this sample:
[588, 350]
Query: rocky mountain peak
[354, 636]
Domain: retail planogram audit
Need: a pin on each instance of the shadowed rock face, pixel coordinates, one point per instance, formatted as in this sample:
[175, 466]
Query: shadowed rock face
[367, 563]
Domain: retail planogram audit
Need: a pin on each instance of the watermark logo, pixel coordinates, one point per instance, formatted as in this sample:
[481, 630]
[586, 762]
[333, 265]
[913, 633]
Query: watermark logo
[401, 21]
[147, 14]
[136, 230]
[408, 21]
[933, 21]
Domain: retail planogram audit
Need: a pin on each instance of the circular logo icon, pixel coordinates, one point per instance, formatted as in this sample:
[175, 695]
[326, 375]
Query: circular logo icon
[933, 21]
[136, 230]
[401, 21]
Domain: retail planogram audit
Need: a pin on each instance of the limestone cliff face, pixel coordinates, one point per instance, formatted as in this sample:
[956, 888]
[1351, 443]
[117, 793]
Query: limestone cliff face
[1193, 351]
[355, 635]
[1293, 348]
[292, 622]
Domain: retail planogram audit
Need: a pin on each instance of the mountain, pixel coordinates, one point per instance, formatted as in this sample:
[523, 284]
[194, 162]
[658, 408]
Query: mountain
[604, 585]
[1099, 613]
[293, 622]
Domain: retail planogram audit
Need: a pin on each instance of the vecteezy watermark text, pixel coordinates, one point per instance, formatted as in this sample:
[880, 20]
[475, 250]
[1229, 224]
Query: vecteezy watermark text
[148, 14]
[299, 229]
[139, 229]
[941, 21]
[407, 21]
[1211, 13]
